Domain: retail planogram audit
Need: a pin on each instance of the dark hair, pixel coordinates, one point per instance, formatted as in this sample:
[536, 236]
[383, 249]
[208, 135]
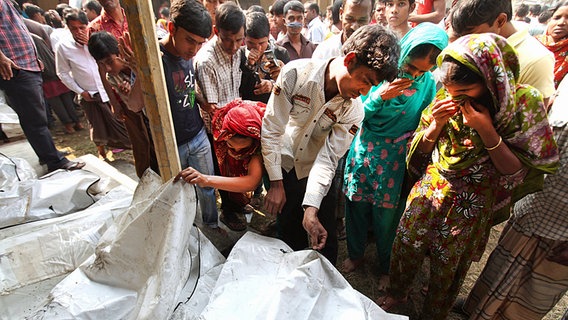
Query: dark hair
[256, 8]
[544, 16]
[336, 7]
[535, 9]
[31, 10]
[257, 25]
[94, 5]
[522, 10]
[165, 11]
[277, 8]
[558, 6]
[60, 8]
[191, 16]
[313, 6]
[229, 17]
[454, 72]
[376, 48]
[467, 14]
[102, 44]
[76, 15]
[425, 50]
[293, 5]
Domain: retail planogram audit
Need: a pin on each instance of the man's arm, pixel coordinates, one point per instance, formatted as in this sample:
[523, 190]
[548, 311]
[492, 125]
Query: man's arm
[274, 124]
[323, 170]
[438, 13]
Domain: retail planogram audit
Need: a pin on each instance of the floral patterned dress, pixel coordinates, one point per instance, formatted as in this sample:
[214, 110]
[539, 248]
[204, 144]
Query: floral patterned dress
[451, 207]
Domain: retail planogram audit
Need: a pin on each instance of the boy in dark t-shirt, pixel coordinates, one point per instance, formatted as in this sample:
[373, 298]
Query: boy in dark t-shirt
[189, 27]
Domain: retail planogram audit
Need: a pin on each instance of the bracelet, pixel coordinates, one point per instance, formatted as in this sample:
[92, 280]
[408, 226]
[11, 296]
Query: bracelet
[496, 146]
[427, 139]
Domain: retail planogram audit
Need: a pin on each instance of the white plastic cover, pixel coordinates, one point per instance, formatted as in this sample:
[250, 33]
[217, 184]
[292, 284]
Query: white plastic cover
[25, 198]
[264, 279]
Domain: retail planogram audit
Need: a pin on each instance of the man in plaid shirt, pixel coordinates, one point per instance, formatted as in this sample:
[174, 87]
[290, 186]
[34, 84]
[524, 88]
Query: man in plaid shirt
[20, 72]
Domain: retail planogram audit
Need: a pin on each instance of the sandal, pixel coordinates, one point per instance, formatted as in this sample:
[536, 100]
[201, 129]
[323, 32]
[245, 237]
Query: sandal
[233, 222]
[70, 166]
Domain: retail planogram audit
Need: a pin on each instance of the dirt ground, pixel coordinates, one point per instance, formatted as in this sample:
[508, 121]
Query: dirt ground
[364, 279]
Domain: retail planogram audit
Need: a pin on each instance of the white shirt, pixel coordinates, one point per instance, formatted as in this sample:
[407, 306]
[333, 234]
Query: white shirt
[77, 69]
[330, 48]
[316, 30]
[302, 131]
[57, 35]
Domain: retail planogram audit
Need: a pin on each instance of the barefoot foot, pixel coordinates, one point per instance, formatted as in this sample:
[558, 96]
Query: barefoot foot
[387, 302]
[384, 282]
[349, 265]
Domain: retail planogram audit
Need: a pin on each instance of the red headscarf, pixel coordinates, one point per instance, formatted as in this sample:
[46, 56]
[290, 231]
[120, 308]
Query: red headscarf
[560, 50]
[238, 117]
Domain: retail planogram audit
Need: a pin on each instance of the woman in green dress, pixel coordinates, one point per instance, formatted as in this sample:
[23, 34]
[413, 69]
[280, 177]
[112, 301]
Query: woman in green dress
[483, 143]
[375, 164]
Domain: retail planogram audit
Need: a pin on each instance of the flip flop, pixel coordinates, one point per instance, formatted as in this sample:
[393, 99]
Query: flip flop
[70, 166]
[387, 302]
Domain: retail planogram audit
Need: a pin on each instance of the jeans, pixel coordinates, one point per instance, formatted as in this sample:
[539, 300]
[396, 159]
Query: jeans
[196, 153]
[25, 95]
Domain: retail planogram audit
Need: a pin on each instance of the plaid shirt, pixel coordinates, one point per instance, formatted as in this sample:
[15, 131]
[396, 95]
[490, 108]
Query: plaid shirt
[218, 77]
[15, 40]
[547, 210]
[107, 23]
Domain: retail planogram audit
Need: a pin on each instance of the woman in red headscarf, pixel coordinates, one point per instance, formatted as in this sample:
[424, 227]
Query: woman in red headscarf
[236, 131]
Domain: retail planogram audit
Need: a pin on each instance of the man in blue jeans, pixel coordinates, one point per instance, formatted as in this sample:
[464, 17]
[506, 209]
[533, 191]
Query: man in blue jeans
[20, 78]
[189, 27]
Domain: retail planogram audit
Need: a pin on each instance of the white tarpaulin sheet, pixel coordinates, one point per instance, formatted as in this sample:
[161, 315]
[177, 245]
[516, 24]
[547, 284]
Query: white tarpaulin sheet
[152, 264]
[24, 198]
[264, 279]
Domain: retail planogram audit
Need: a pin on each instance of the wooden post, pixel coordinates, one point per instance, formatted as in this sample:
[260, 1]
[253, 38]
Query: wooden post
[140, 16]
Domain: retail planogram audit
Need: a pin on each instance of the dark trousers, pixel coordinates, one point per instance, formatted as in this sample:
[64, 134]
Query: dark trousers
[289, 221]
[25, 95]
[141, 139]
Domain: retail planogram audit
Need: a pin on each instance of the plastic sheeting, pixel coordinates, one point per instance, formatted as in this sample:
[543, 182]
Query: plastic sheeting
[24, 198]
[264, 279]
[152, 264]
[142, 263]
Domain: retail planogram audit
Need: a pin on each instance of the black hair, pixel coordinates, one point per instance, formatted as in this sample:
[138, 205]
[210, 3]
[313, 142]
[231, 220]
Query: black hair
[257, 25]
[102, 44]
[76, 15]
[165, 11]
[454, 72]
[558, 6]
[313, 6]
[94, 5]
[544, 16]
[229, 17]
[522, 10]
[425, 50]
[336, 7]
[467, 14]
[60, 8]
[535, 9]
[256, 8]
[376, 48]
[277, 8]
[191, 16]
[293, 5]
[31, 10]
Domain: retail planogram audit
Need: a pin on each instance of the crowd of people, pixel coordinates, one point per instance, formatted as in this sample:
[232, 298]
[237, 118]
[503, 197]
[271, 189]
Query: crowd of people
[421, 124]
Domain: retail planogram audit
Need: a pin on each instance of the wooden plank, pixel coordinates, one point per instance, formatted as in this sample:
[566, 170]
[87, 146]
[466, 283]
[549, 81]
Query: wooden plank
[139, 14]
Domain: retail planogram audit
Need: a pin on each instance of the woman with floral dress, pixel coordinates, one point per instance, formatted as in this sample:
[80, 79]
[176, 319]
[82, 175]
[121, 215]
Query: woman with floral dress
[482, 144]
[376, 161]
